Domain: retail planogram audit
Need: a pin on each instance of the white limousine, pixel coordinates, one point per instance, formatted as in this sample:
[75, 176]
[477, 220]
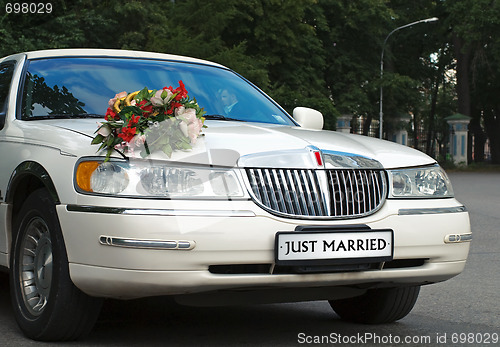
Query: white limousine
[130, 174]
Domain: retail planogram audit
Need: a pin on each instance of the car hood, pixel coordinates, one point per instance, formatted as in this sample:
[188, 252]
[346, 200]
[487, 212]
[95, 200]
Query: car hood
[265, 145]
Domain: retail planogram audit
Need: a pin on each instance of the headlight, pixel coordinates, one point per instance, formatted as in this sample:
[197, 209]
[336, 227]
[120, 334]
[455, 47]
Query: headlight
[425, 182]
[141, 178]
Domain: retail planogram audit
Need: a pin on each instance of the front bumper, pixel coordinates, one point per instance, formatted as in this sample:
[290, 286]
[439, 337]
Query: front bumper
[168, 248]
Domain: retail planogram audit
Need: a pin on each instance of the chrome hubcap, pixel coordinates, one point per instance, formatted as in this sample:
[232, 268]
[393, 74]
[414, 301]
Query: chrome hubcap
[35, 266]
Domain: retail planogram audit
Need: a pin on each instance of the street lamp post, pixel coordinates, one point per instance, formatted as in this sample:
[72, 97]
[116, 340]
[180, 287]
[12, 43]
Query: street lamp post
[381, 114]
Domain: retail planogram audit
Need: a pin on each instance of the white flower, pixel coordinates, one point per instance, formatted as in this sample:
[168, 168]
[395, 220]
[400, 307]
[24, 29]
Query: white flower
[186, 114]
[162, 97]
[184, 128]
[104, 129]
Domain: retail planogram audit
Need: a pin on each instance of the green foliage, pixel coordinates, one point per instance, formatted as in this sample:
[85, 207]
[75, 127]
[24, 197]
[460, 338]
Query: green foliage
[475, 25]
[317, 53]
[290, 99]
[57, 99]
[352, 39]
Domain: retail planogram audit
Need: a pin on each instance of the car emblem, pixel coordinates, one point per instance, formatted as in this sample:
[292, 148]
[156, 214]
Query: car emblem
[319, 160]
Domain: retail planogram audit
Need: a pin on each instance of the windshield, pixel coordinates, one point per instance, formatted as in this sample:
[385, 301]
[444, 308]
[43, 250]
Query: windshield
[81, 87]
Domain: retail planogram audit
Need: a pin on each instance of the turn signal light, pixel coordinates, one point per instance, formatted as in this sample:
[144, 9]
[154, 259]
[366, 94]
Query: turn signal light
[83, 174]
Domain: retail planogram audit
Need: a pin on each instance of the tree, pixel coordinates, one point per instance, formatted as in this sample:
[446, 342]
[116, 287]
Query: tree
[475, 25]
[81, 23]
[352, 38]
[422, 54]
[269, 42]
[323, 54]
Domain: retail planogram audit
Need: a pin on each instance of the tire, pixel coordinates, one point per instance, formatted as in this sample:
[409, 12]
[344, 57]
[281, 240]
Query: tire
[47, 305]
[377, 306]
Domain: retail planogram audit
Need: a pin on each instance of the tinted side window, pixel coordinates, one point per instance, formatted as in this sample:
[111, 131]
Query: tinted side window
[6, 72]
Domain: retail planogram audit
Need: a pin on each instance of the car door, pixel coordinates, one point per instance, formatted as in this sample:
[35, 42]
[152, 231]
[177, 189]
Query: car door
[7, 69]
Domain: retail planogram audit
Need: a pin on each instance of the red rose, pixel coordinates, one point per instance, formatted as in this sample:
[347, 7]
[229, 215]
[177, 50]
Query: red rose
[134, 119]
[144, 108]
[181, 91]
[127, 134]
[110, 114]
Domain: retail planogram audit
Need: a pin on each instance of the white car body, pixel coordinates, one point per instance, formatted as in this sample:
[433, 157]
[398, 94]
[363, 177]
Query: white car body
[222, 249]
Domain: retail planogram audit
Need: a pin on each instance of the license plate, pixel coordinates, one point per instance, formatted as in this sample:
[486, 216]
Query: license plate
[334, 247]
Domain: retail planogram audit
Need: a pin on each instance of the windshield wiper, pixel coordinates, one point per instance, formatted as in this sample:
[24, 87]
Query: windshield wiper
[221, 117]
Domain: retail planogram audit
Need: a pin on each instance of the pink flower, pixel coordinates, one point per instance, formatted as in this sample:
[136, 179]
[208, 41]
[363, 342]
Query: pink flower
[162, 97]
[194, 130]
[122, 146]
[186, 114]
[138, 140]
[104, 129]
[111, 102]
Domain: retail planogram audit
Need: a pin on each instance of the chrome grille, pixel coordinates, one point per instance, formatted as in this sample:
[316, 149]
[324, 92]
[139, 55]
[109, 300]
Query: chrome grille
[337, 193]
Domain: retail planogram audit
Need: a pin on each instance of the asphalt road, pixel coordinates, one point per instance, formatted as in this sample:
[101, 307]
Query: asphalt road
[463, 309]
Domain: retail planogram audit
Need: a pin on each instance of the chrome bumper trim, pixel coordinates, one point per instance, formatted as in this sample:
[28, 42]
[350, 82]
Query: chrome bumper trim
[417, 211]
[146, 244]
[159, 212]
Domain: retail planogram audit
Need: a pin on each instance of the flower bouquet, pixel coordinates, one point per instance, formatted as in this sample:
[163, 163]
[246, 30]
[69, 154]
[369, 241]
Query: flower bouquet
[150, 120]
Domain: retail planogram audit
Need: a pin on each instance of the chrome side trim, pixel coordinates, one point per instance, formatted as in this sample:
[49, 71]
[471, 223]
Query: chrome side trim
[458, 238]
[146, 244]
[418, 211]
[160, 212]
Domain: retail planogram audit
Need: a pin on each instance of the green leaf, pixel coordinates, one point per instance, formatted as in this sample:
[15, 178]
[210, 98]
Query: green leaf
[108, 154]
[167, 149]
[98, 139]
[127, 110]
[144, 94]
[185, 145]
[111, 141]
[184, 140]
[164, 94]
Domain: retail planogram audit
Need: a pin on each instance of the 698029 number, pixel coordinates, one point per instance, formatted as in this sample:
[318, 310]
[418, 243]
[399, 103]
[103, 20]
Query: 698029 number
[474, 338]
[28, 7]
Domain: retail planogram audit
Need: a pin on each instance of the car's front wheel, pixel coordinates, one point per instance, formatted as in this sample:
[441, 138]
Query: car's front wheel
[47, 305]
[377, 306]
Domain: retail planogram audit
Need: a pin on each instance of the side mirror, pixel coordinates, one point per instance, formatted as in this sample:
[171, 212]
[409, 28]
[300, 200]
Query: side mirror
[308, 118]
